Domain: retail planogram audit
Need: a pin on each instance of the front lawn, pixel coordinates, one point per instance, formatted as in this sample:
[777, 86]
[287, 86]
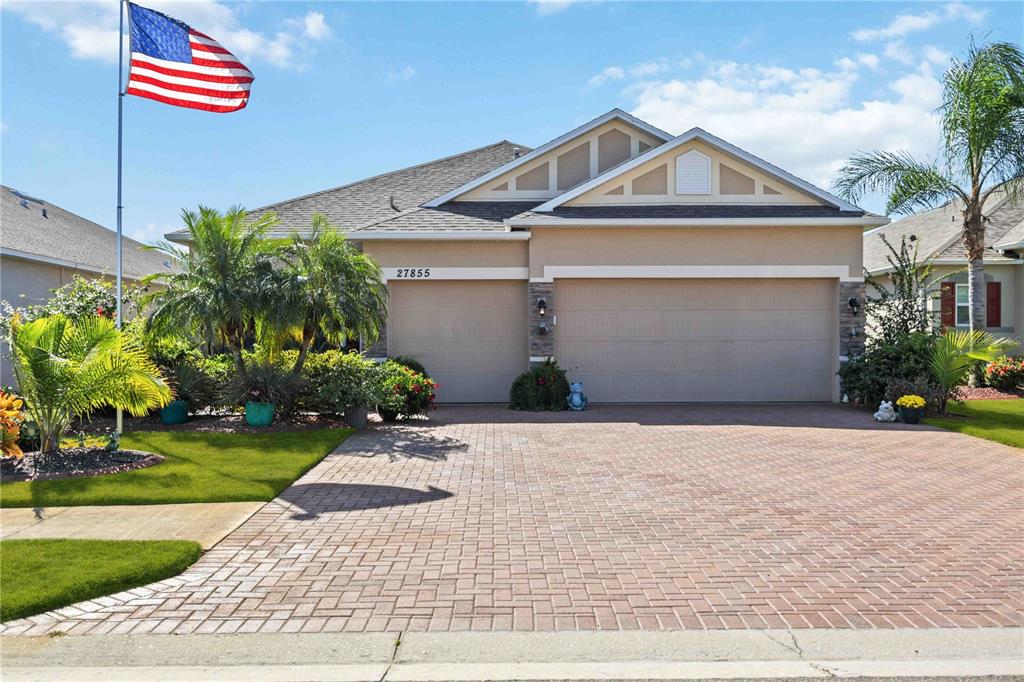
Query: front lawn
[200, 467]
[40, 575]
[998, 420]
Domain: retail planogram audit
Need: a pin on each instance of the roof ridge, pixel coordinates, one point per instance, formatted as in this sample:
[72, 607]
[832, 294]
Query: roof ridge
[386, 174]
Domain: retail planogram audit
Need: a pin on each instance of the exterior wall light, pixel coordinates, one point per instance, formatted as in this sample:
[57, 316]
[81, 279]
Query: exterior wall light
[542, 307]
[854, 305]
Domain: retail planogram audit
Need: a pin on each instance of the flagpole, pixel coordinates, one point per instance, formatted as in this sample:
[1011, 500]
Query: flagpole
[120, 116]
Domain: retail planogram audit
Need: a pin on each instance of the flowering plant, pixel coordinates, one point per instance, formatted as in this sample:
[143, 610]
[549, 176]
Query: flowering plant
[406, 392]
[1005, 372]
[911, 402]
[11, 418]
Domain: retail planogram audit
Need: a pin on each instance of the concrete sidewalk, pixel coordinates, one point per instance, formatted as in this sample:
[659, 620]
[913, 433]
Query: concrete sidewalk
[420, 656]
[206, 523]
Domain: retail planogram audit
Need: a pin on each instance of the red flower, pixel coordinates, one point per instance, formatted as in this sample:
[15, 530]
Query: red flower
[416, 388]
[540, 381]
[100, 311]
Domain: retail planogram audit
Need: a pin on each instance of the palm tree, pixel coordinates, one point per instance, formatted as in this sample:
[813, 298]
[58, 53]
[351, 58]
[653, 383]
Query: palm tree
[221, 284]
[982, 117]
[66, 369]
[327, 287]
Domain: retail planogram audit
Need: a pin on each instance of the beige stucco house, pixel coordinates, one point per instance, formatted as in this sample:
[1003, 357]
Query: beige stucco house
[43, 246]
[936, 234]
[652, 267]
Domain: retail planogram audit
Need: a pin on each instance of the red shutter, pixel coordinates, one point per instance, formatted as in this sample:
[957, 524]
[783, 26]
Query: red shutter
[947, 295]
[993, 301]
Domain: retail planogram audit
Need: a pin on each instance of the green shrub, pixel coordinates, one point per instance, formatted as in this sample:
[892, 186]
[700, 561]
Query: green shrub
[905, 357]
[405, 392]
[543, 387]
[1005, 372]
[336, 381]
[193, 385]
[412, 363]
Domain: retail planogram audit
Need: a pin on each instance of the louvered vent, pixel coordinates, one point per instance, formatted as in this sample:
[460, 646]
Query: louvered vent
[693, 173]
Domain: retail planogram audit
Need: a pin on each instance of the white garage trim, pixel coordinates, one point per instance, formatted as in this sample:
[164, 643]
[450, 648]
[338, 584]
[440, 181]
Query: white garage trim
[840, 272]
[428, 273]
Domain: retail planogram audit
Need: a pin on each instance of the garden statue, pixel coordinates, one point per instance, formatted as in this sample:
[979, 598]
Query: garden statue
[577, 401]
[885, 413]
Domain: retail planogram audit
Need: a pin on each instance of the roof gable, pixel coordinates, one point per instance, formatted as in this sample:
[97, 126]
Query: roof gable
[571, 158]
[683, 160]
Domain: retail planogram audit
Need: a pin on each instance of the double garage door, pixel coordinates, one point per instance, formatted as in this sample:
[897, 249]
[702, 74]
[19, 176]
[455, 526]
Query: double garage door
[640, 340]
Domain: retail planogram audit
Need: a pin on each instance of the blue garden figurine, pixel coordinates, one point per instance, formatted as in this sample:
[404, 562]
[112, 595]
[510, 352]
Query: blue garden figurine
[577, 401]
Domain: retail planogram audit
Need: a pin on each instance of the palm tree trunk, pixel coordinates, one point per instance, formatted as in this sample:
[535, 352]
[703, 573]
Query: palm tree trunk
[974, 242]
[976, 293]
[307, 342]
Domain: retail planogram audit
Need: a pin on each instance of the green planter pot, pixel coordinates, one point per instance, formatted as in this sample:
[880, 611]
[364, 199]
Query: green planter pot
[911, 415]
[175, 412]
[259, 414]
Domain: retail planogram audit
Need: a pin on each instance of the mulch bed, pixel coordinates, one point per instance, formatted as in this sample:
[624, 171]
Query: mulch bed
[214, 423]
[989, 393]
[73, 463]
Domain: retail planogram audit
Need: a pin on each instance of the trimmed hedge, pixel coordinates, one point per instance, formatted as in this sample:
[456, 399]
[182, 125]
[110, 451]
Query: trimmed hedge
[542, 388]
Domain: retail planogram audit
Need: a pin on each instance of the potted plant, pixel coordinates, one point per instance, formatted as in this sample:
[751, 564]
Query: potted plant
[911, 408]
[193, 391]
[265, 389]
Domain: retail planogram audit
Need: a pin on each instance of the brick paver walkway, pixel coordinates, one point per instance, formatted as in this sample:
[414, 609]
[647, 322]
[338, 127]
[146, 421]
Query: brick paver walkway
[660, 517]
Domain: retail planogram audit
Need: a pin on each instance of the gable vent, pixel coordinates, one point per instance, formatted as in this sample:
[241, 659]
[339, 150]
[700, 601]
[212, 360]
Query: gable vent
[693, 173]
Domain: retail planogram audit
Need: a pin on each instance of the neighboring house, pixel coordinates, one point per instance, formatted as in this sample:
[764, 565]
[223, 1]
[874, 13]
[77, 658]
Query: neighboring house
[653, 268]
[43, 246]
[937, 235]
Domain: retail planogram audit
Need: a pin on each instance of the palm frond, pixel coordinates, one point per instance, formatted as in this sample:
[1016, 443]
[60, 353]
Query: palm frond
[910, 183]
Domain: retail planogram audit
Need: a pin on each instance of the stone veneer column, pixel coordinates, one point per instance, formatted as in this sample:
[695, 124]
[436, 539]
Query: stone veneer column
[851, 327]
[541, 346]
[379, 349]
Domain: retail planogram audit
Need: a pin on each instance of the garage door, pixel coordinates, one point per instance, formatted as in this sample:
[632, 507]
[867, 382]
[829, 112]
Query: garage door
[470, 335]
[668, 340]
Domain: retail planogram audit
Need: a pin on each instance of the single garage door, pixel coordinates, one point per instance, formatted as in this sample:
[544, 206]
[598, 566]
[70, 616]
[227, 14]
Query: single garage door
[669, 340]
[470, 335]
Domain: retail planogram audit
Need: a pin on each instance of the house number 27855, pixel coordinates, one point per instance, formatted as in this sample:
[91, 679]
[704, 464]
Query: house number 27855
[413, 272]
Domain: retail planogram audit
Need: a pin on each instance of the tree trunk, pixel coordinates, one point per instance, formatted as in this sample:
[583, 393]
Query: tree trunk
[974, 243]
[300, 361]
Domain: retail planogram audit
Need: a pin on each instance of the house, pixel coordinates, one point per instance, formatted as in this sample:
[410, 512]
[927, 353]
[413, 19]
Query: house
[937, 235]
[653, 267]
[42, 247]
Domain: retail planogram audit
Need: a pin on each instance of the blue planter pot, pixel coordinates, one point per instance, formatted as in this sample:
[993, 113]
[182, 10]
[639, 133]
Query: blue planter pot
[259, 414]
[911, 415]
[176, 412]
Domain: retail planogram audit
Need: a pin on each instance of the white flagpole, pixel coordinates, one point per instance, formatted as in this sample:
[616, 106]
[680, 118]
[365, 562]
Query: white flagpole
[120, 108]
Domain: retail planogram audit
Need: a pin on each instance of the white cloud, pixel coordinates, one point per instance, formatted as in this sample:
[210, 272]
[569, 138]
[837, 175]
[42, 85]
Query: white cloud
[607, 74]
[405, 74]
[898, 51]
[89, 28]
[936, 55]
[150, 233]
[548, 7]
[315, 26]
[905, 24]
[869, 60]
[651, 68]
[802, 119]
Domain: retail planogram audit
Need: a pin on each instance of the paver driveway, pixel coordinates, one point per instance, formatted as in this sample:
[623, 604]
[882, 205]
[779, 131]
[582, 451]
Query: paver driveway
[623, 517]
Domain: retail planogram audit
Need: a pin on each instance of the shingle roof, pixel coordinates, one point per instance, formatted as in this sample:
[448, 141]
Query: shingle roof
[689, 211]
[64, 236]
[938, 233]
[475, 216]
[364, 201]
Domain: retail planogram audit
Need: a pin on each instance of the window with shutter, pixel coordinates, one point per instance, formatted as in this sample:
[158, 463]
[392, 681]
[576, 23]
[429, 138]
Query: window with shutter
[693, 173]
[947, 299]
[993, 303]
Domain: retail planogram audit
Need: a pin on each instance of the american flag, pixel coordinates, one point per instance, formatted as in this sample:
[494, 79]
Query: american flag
[173, 63]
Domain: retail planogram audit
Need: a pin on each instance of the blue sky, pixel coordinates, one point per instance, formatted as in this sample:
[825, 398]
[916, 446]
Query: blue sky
[348, 90]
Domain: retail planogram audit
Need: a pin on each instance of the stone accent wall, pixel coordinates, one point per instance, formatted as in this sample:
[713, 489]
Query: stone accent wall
[380, 348]
[851, 327]
[540, 346]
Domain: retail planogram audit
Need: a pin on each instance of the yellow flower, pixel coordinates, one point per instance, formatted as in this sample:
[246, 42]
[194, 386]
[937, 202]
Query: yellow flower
[912, 402]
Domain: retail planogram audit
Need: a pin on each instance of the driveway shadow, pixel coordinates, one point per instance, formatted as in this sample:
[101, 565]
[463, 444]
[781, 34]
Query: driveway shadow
[405, 441]
[322, 498]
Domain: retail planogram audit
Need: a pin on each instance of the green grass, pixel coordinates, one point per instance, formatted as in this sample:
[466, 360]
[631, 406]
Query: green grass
[39, 575]
[200, 467]
[998, 420]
